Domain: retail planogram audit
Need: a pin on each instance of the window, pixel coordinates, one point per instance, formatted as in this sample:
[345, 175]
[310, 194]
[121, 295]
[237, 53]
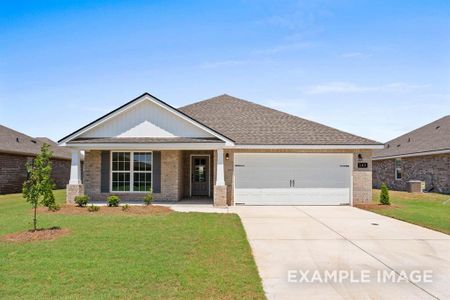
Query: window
[199, 170]
[398, 168]
[131, 171]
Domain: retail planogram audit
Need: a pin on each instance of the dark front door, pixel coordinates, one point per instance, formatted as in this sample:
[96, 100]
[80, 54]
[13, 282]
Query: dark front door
[200, 176]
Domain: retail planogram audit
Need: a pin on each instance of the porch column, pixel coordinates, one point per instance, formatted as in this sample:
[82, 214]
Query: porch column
[75, 167]
[220, 189]
[75, 186]
[220, 175]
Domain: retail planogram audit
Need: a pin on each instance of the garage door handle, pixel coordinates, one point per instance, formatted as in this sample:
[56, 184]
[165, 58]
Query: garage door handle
[290, 183]
[293, 182]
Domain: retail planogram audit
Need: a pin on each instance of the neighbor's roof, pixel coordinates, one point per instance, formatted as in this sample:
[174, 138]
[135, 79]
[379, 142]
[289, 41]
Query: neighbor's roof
[429, 138]
[248, 123]
[14, 142]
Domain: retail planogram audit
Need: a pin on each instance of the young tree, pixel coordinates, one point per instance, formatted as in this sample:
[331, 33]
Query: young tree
[38, 188]
[384, 195]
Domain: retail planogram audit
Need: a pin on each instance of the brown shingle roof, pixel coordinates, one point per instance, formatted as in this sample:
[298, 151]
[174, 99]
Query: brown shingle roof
[15, 142]
[252, 124]
[431, 137]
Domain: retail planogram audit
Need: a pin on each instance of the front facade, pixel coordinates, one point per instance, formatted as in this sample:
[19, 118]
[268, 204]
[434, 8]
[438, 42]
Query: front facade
[18, 149]
[224, 149]
[420, 155]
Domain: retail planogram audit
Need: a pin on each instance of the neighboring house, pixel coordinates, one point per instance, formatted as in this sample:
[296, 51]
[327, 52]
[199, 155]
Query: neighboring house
[422, 154]
[224, 148]
[16, 149]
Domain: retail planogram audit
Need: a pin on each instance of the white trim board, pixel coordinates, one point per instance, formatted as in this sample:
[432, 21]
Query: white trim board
[333, 147]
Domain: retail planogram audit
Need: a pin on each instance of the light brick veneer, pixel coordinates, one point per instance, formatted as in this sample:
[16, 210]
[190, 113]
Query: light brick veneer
[171, 178]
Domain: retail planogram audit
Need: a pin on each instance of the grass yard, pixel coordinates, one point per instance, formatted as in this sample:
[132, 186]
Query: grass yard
[429, 210]
[176, 255]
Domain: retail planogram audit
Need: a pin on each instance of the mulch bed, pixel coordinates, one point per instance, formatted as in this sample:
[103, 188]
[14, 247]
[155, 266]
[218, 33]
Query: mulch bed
[68, 209]
[370, 206]
[43, 234]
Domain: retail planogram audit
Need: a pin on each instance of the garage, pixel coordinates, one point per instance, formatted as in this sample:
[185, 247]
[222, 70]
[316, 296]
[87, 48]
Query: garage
[293, 178]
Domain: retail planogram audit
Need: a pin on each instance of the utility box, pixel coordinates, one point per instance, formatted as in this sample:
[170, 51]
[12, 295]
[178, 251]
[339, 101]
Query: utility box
[415, 186]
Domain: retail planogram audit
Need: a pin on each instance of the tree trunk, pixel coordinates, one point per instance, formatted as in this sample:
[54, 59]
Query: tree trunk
[34, 218]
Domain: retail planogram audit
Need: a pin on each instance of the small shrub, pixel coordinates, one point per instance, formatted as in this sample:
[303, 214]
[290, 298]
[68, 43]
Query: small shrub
[148, 199]
[81, 200]
[113, 201]
[125, 207]
[54, 207]
[384, 195]
[93, 208]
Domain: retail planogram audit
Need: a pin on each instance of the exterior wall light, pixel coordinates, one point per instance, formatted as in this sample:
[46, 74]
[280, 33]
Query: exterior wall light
[227, 156]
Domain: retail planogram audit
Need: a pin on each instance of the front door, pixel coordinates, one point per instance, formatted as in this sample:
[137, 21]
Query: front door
[200, 176]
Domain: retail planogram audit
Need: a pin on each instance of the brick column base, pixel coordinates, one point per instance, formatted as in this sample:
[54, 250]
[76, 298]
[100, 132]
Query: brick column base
[220, 195]
[73, 190]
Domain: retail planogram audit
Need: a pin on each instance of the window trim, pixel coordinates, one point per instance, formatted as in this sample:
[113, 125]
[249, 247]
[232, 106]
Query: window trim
[131, 171]
[396, 168]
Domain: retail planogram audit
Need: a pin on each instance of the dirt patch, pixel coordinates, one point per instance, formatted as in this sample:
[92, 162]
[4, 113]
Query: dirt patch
[44, 234]
[68, 209]
[373, 206]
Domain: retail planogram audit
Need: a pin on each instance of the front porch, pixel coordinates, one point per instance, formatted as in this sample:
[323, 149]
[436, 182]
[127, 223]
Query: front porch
[189, 176]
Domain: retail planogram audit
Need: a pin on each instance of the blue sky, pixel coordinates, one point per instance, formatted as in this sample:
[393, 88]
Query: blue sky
[373, 68]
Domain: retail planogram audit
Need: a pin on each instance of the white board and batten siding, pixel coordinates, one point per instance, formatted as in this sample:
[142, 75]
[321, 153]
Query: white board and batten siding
[146, 119]
[293, 178]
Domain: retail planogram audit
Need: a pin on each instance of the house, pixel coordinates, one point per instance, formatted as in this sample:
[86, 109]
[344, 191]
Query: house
[224, 148]
[16, 149]
[422, 154]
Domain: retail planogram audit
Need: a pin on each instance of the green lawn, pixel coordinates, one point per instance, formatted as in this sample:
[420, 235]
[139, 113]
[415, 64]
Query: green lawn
[179, 255]
[430, 210]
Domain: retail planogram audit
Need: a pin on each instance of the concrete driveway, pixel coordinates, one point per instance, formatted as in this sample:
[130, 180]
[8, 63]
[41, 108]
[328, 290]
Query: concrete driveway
[306, 242]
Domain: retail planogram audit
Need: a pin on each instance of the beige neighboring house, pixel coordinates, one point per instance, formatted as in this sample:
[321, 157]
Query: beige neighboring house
[420, 155]
[223, 149]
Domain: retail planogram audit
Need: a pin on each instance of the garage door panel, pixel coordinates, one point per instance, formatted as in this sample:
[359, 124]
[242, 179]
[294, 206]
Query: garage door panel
[265, 179]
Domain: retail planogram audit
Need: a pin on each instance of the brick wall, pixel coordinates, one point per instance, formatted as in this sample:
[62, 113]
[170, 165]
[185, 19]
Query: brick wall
[362, 178]
[171, 178]
[13, 172]
[433, 169]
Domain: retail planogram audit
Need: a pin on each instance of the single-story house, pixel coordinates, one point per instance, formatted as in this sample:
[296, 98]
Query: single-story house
[16, 149]
[420, 155]
[225, 149]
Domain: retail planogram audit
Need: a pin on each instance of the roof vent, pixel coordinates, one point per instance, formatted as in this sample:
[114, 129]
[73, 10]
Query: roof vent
[17, 140]
[33, 141]
[409, 140]
[388, 146]
[437, 127]
[398, 145]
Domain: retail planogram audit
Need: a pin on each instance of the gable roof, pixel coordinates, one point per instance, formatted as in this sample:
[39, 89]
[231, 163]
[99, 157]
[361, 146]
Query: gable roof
[145, 96]
[248, 123]
[430, 138]
[15, 142]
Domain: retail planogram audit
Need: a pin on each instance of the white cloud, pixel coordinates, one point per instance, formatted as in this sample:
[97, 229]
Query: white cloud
[349, 87]
[224, 63]
[286, 48]
[355, 55]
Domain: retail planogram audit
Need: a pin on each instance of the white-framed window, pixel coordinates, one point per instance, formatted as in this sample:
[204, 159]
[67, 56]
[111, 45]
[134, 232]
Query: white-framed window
[131, 171]
[398, 168]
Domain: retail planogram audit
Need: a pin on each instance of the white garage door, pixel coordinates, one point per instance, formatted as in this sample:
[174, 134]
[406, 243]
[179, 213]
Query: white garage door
[292, 179]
